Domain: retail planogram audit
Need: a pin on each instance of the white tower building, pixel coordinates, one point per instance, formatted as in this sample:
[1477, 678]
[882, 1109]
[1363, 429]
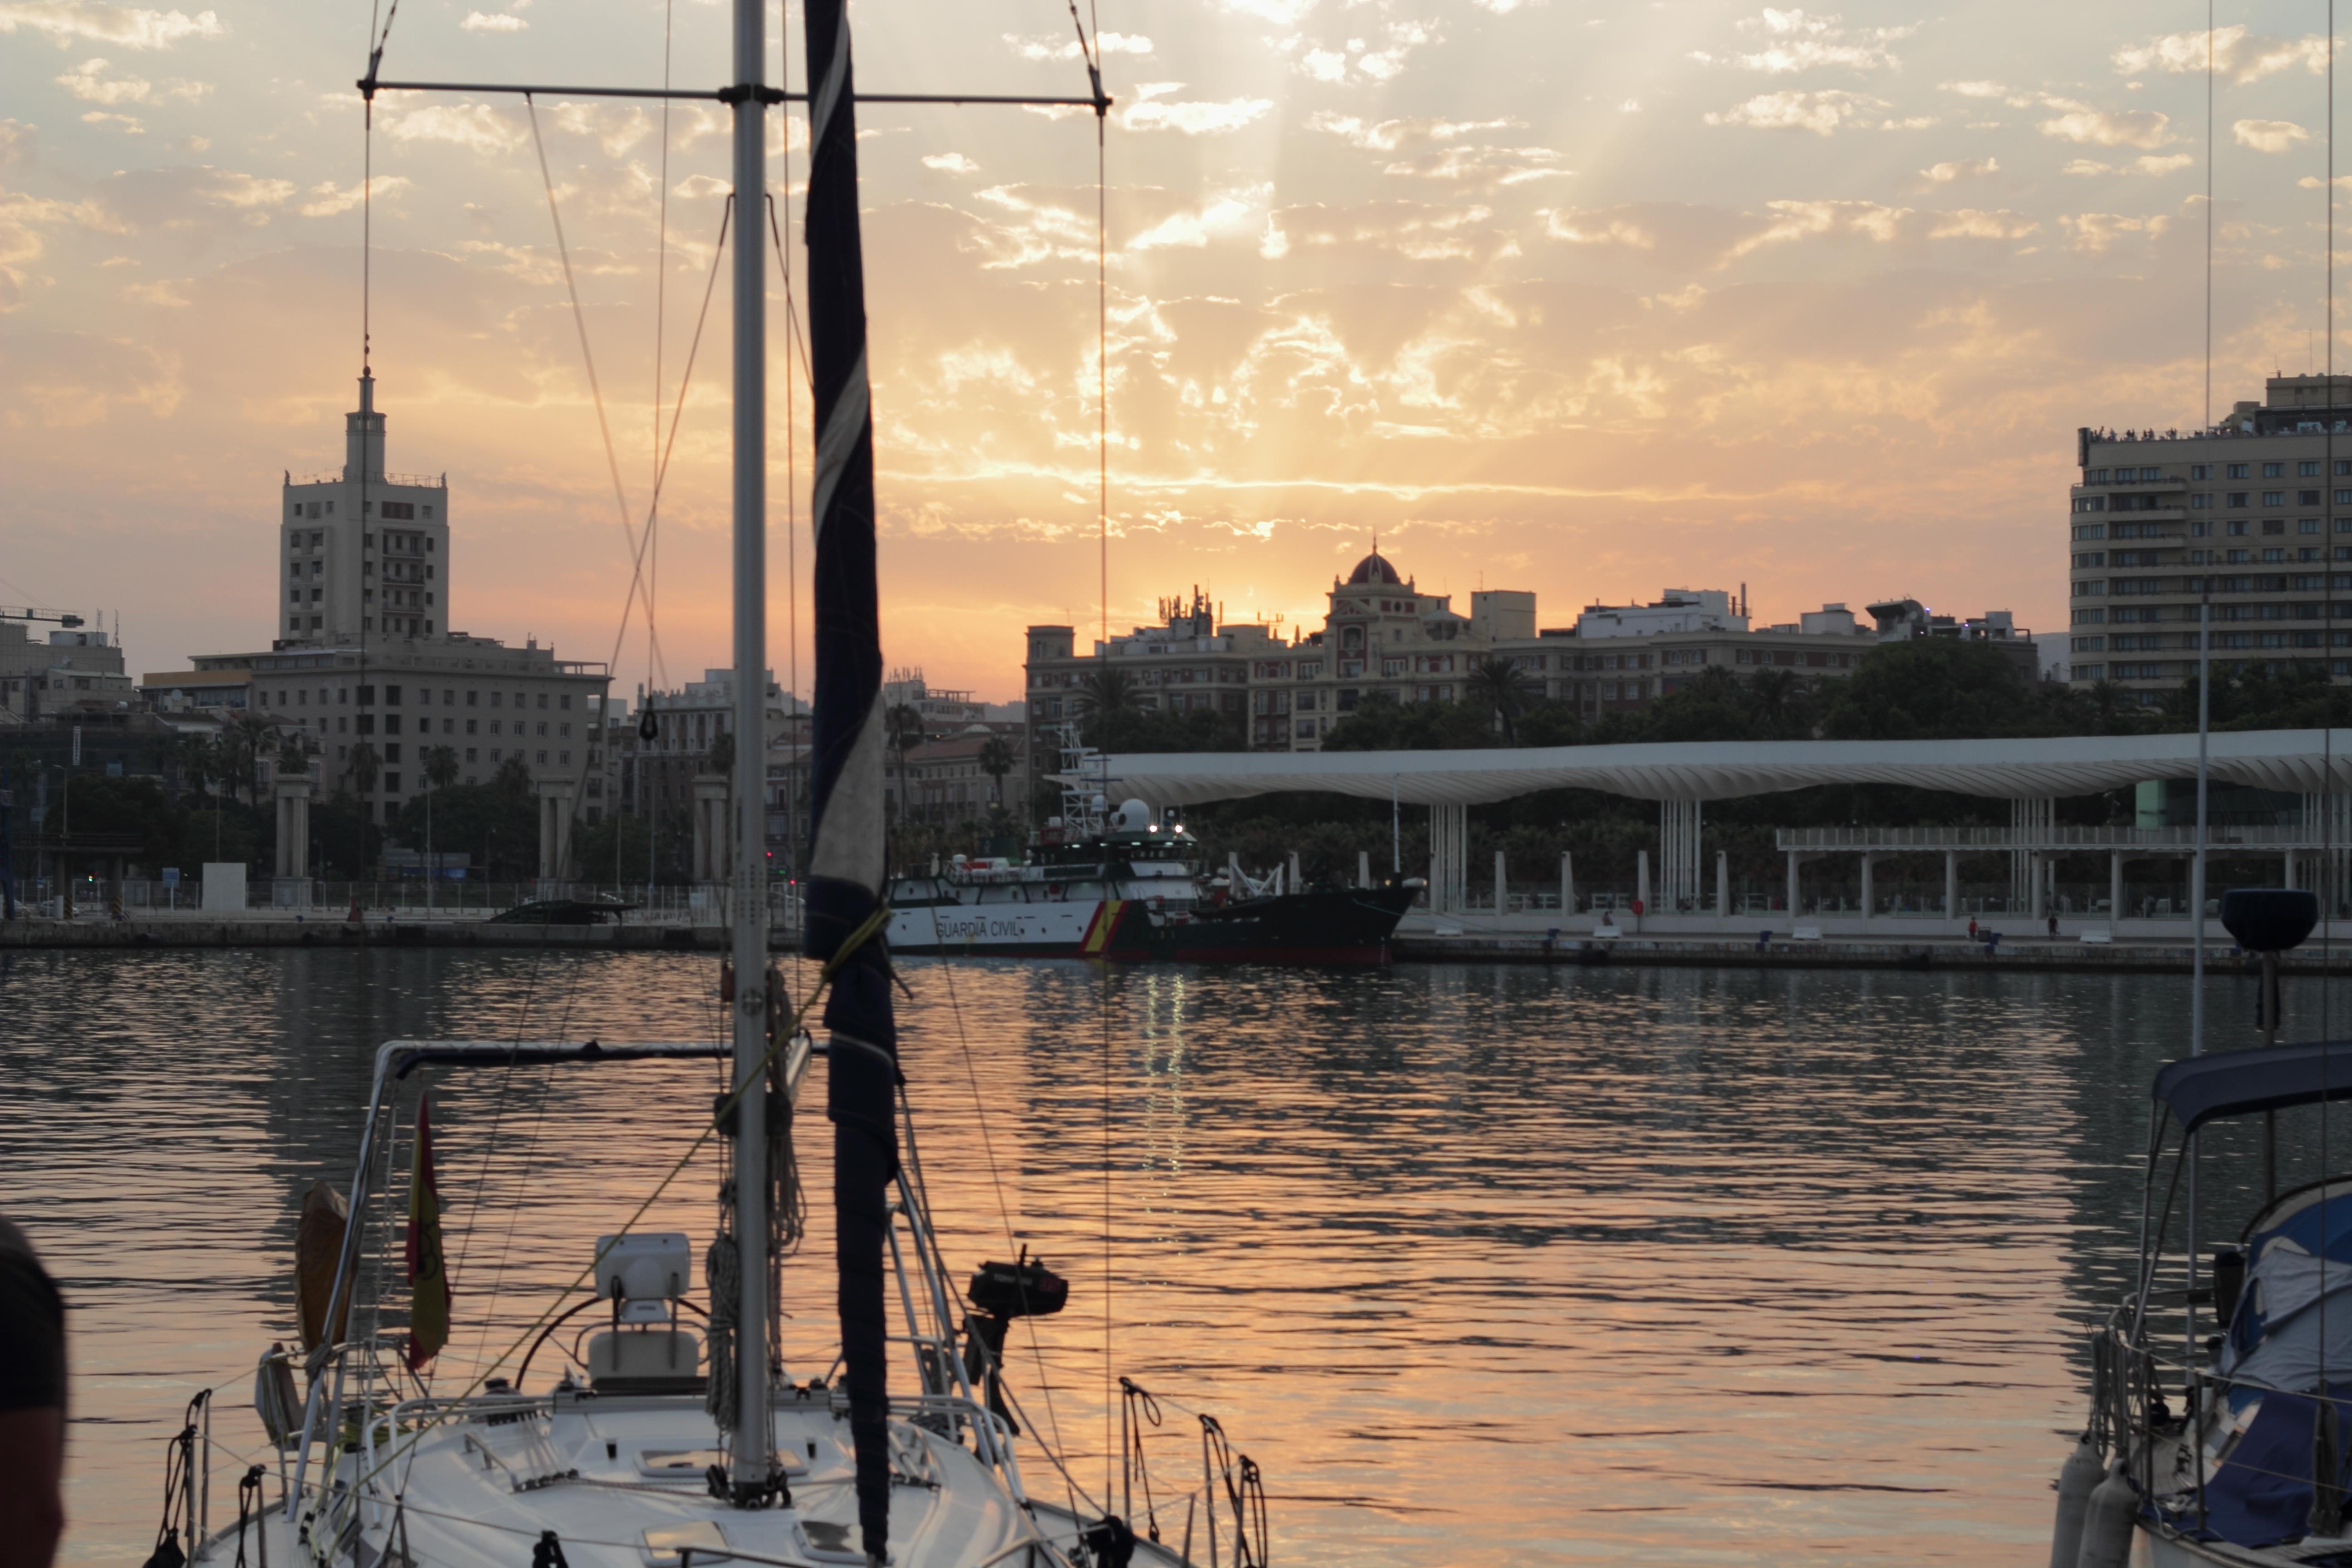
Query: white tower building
[363, 554]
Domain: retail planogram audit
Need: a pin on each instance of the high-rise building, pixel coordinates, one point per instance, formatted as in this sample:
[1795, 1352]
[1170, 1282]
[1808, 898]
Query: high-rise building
[2255, 513]
[363, 670]
[363, 553]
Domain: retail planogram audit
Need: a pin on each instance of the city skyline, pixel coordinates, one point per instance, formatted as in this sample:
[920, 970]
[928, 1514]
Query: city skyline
[1587, 302]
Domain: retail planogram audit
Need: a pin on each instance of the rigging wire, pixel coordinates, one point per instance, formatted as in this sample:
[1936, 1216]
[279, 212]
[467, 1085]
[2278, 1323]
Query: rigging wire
[639, 545]
[2328, 731]
[791, 504]
[653, 548]
[1004, 1214]
[791, 477]
[580, 323]
[1090, 51]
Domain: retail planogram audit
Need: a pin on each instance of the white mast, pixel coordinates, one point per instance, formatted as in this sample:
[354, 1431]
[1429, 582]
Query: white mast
[753, 1433]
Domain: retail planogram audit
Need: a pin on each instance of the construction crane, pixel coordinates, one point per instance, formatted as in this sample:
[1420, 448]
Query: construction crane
[62, 617]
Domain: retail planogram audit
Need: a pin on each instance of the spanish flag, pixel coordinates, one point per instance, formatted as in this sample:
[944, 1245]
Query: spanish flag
[428, 1278]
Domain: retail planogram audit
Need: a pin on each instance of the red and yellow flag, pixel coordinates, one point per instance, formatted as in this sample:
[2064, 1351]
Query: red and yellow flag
[428, 1279]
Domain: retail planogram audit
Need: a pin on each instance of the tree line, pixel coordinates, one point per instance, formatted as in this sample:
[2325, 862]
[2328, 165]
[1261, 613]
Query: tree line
[1927, 688]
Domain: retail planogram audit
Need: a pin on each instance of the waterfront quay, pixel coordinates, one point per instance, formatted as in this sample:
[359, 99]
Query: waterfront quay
[1670, 942]
[327, 928]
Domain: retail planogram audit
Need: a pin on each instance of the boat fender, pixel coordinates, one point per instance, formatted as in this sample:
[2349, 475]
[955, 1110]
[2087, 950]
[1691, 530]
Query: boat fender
[2107, 1521]
[2076, 1479]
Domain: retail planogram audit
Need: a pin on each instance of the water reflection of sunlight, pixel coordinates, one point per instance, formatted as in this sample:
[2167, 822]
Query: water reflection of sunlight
[1483, 1264]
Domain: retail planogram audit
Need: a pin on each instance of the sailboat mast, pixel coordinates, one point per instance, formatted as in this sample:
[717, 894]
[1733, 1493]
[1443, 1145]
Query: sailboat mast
[754, 1429]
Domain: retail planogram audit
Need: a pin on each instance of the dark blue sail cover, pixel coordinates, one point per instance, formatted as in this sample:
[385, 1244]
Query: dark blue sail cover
[847, 848]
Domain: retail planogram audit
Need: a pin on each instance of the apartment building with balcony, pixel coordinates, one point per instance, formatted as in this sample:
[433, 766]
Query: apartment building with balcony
[2253, 514]
[1382, 637]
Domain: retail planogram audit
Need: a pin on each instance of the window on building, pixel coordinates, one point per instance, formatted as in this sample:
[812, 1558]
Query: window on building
[2200, 470]
[2273, 525]
[2238, 528]
[2274, 498]
[2237, 471]
[2274, 470]
[543, 757]
[2238, 498]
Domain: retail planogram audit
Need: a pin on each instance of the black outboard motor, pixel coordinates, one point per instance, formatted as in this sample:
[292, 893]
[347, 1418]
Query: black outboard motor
[1000, 1292]
[2269, 920]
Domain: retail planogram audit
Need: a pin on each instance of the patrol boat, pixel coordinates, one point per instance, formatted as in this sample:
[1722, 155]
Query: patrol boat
[1126, 886]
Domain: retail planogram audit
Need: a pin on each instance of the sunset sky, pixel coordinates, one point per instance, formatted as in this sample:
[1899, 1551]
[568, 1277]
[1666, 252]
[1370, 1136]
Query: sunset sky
[1594, 300]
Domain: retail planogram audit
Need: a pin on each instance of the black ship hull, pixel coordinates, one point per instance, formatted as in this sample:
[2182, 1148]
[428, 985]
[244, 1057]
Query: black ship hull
[1347, 926]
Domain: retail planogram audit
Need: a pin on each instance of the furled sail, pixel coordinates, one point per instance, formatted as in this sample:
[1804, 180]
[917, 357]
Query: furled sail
[847, 849]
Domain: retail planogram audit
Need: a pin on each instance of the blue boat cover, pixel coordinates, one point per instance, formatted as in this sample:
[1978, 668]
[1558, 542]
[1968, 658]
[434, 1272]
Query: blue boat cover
[2272, 1078]
[2261, 1495]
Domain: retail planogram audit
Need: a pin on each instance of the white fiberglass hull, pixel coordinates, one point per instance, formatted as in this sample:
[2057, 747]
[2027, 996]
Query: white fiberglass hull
[2154, 1548]
[619, 1482]
[1058, 929]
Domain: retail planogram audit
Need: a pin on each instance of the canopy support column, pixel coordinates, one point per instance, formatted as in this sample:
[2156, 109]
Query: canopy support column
[1449, 858]
[1678, 853]
[2030, 817]
[1567, 884]
[1869, 894]
[1723, 884]
[2116, 887]
[1502, 898]
[1952, 884]
[1793, 884]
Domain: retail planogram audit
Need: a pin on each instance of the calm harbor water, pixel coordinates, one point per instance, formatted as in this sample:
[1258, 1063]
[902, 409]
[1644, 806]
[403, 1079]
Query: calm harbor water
[1481, 1264]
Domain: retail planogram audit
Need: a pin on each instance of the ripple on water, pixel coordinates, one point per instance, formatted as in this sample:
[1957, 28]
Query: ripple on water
[1481, 1264]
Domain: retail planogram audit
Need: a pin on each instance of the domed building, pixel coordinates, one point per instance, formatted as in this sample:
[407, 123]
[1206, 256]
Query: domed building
[1386, 639]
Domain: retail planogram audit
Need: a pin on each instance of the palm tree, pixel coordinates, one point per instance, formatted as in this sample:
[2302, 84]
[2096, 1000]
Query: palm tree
[440, 772]
[2107, 708]
[192, 760]
[1778, 696]
[362, 770]
[1107, 690]
[1497, 683]
[904, 731]
[996, 760]
[248, 737]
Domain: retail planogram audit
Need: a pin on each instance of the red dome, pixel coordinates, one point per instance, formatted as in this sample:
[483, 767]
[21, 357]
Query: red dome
[1374, 568]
